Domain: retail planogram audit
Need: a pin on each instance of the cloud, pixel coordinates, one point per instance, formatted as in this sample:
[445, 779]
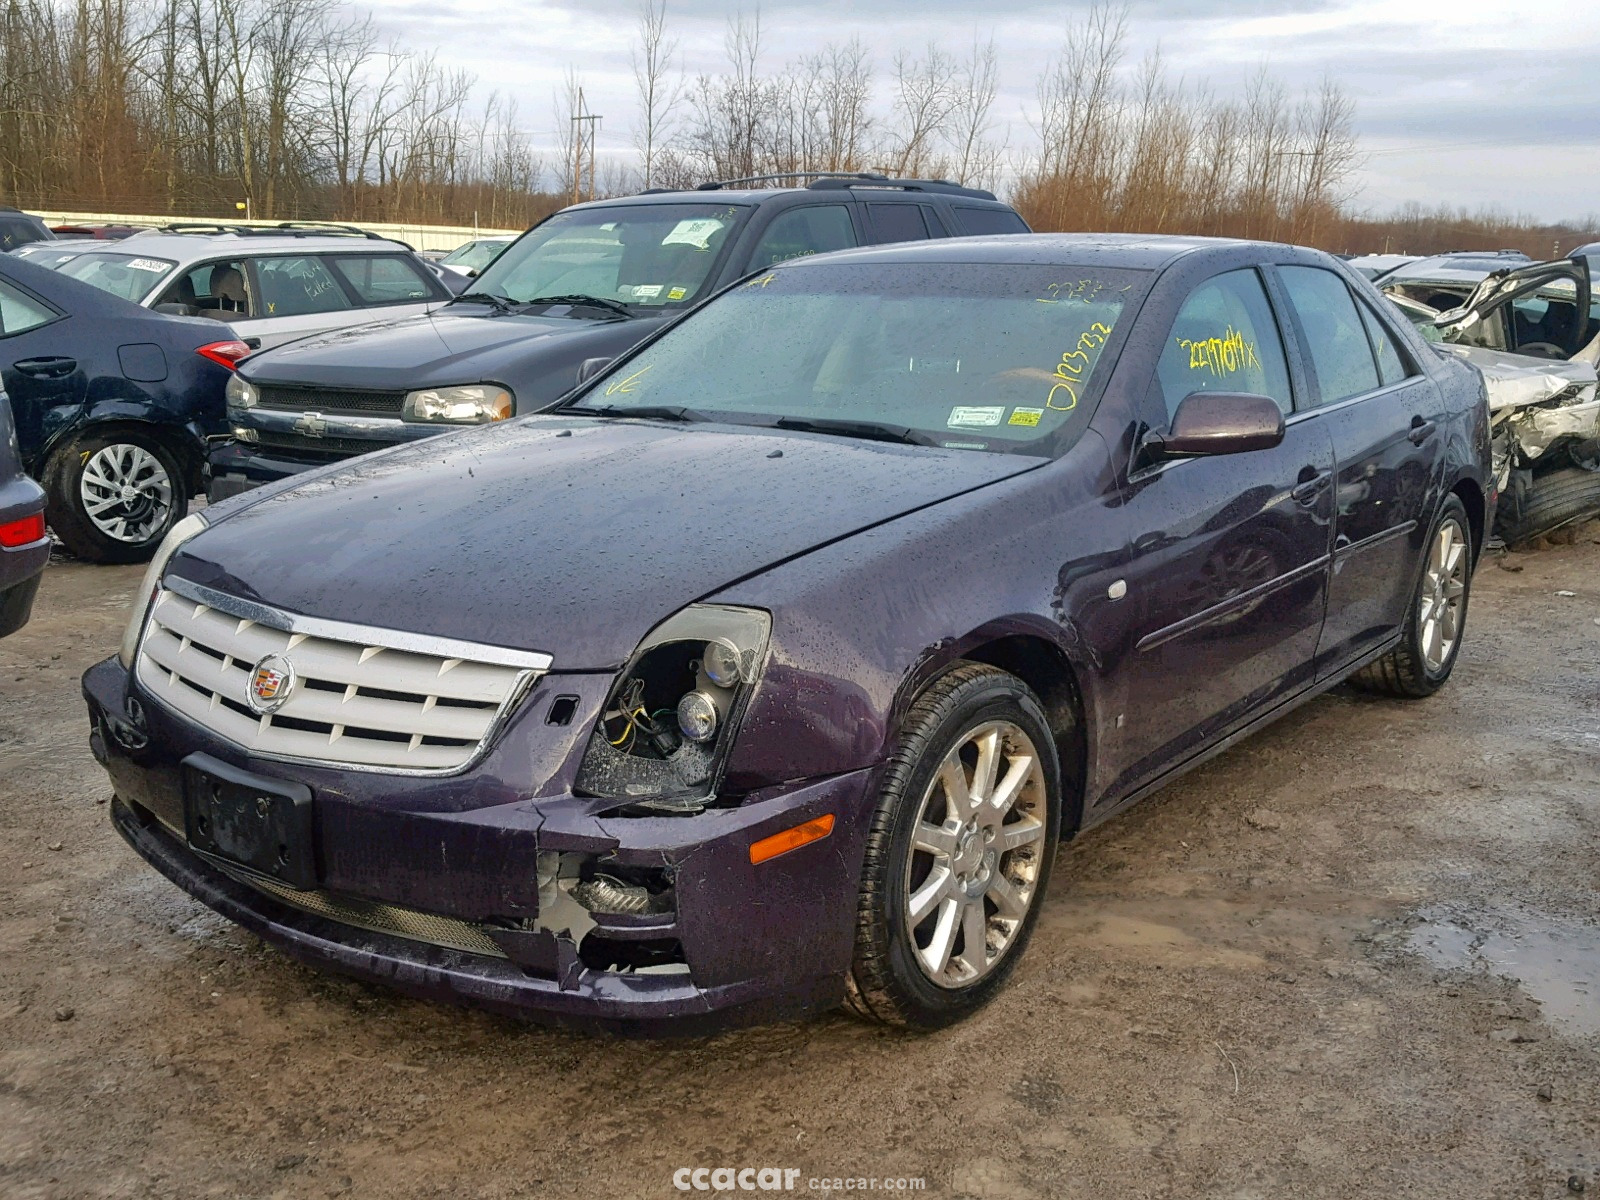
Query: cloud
[1435, 84]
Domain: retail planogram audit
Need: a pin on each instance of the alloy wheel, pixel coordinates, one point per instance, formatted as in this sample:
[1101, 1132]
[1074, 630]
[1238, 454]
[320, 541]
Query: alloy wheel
[126, 492]
[1444, 587]
[976, 853]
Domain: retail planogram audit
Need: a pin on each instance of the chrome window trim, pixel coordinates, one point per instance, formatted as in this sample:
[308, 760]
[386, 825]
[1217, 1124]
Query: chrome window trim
[343, 631]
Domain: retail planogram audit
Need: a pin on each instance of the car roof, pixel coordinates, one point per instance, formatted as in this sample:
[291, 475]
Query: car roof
[1127, 250]
[184, 248]
[823, 190]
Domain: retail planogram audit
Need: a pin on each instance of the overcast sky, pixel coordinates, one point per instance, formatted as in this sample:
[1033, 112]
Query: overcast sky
[1475, 102]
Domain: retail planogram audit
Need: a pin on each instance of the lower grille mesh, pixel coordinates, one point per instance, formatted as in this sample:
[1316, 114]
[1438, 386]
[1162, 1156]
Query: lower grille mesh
[393, 919]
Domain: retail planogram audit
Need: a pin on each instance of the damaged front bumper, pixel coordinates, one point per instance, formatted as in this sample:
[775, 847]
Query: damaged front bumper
[518, 897]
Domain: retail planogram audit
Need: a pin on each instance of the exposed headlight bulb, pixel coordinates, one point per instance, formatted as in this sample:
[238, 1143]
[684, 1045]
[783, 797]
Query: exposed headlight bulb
[698, 717]
[720, 662]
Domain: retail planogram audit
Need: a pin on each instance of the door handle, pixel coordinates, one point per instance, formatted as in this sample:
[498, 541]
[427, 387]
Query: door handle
[1421, 431]
[1307, 492]
[46, 368]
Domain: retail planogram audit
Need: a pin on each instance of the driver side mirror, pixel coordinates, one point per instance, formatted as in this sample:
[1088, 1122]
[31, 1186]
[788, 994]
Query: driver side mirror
[1210, 423]
[590, 367]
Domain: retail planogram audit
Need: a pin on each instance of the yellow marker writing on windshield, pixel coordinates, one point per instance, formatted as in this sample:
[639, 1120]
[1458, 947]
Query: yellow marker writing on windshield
[626, 386]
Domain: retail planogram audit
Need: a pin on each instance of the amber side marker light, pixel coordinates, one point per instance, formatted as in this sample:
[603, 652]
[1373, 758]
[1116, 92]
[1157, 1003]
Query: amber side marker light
[791, 839]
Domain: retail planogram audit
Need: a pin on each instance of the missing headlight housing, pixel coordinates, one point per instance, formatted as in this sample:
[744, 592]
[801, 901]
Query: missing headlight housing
[672, 716]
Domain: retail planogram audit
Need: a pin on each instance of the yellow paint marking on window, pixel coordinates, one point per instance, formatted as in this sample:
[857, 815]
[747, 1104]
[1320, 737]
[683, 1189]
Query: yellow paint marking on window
[1226, 355]
[627, 386]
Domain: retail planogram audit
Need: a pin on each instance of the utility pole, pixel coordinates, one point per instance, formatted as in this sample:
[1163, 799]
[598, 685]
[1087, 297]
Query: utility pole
[584, 127]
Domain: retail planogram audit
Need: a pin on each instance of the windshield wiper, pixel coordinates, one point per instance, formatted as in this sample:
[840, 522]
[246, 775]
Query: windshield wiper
[659, 412]
[622, 310]
[498, 303]
[872, 430]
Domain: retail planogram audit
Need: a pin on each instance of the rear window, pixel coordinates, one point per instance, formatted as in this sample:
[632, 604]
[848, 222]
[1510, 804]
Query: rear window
[977, 222]
[383, 278]
[130, 276]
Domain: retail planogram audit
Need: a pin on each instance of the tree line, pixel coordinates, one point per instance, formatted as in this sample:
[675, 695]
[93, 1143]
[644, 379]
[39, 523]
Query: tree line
[301, 107]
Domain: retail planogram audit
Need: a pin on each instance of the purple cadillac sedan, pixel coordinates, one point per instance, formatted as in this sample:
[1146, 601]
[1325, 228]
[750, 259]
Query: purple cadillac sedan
[766, 671]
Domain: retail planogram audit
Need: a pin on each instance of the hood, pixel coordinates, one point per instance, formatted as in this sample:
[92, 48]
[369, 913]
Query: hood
[572, 536]
[1519, 380]
[450, 345]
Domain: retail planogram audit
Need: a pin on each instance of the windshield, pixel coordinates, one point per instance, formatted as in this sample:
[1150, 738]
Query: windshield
[645, 254]
[125, 275]
[474, 255]
[969, 356]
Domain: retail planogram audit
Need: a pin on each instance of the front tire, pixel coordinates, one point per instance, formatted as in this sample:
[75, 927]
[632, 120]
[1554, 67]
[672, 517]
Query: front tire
[960, 851]
[112, 497]
[1436, 618]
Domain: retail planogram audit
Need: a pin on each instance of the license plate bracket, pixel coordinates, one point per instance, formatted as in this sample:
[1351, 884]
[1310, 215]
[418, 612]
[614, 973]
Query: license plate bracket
[255, 822]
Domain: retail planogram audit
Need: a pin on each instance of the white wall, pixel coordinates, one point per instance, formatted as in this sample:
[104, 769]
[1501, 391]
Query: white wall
[422, 237]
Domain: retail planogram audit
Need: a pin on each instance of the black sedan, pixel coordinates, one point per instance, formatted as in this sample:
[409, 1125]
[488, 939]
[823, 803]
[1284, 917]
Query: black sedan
[113, 405]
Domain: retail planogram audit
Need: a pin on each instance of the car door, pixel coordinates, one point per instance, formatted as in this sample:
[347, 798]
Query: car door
[1229, 555]
[293, 295]
[1543, 310]
[1385, 418]
[901, 221]
[800, 232]
[43, 377]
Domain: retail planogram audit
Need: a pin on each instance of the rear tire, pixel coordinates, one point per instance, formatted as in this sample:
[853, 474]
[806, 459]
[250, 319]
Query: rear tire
[959, 853]
[1436, 617]
[112, 497]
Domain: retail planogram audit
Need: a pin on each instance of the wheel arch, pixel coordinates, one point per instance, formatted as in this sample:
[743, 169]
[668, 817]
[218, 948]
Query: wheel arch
[1048, 670]
[1470, 494]
[178, 438]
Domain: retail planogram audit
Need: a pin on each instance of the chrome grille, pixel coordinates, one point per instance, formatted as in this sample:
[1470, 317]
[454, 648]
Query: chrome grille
[361, 696]
[411, 923]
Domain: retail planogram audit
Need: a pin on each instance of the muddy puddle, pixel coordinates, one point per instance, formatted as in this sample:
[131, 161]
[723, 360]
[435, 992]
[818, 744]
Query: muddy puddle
[1556, 962]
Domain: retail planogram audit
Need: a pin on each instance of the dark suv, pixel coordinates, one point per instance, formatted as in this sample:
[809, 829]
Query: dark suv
[586, 284]
[18, 228]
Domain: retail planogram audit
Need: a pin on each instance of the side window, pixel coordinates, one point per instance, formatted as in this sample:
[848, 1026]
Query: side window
[1391, 362]
[1340, 352]
[1225, 339]
[976, 222]
[20, 312]
[383, 278]
[216, 289]
[898, 222]
[803, 231]
[296, 285]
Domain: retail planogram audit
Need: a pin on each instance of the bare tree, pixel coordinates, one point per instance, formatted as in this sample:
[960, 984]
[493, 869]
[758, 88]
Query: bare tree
[659, 91]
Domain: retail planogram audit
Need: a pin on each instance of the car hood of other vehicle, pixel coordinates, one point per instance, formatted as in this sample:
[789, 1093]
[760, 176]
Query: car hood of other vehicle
[570, 535]
[451, 345]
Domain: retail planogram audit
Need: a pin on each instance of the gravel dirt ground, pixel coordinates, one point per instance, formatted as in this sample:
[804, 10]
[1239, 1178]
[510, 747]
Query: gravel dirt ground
[1356, 956]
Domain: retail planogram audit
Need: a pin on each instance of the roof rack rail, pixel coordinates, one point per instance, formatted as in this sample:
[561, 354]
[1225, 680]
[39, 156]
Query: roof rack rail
[281, 229]
[718, 184]
[944, 186]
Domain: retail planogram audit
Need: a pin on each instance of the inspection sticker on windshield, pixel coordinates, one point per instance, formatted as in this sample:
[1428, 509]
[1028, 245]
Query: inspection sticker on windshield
[983, 415]
[647, 291]
[147, 264]
[1025, 416]
[696, 233]
[677, 293]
